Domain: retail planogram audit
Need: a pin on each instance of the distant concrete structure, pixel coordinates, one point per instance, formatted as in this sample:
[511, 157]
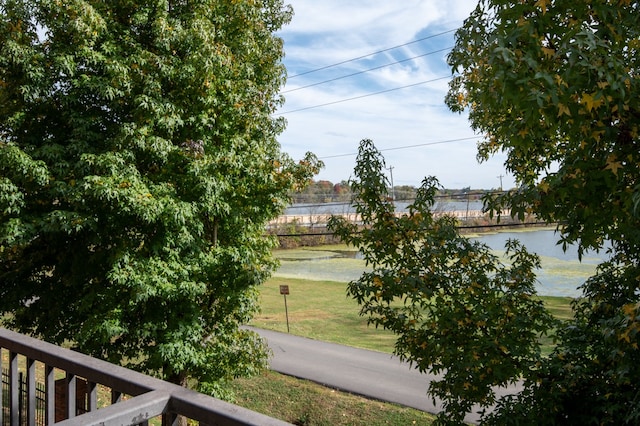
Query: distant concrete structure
[322, 218]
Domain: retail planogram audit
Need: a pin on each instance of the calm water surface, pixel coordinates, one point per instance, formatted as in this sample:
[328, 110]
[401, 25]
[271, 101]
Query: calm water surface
[561, 274]
[542, 242]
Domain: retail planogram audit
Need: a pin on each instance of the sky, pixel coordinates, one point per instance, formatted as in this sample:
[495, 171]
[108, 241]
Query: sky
[417, 134]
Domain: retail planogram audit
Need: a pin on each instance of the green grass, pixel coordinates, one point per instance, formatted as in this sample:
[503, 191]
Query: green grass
[305, 403]
[560, 307]
[321, 310]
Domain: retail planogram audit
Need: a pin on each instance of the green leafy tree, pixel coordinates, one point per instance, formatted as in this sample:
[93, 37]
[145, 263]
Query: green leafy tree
[553, 84]
[457, 310]
[138, 168]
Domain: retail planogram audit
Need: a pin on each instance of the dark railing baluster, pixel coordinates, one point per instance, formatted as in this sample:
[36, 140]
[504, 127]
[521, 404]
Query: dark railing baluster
[116, 396]
[40, 404]
[169, 419]
[1, 388]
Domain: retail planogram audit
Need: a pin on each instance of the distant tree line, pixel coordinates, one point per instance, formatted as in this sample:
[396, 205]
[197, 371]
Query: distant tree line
[324, 191]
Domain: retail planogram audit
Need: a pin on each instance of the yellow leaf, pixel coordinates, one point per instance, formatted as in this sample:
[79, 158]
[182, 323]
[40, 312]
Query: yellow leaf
[629, 309]
[563, 110]
[544, 186]
[625, 336]
[548, 52]
[542, 4]
[590, 102]
[560, 81]
[613, 164]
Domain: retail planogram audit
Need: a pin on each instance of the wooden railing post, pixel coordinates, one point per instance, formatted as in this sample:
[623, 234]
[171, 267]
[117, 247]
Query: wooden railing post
[14, 394]
[50, 395]
[31, 392]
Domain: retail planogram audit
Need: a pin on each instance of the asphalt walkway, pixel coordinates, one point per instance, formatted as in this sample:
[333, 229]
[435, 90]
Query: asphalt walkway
[368, 373]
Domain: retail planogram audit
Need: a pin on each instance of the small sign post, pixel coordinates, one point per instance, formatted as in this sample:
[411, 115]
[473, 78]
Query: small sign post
[284, 290]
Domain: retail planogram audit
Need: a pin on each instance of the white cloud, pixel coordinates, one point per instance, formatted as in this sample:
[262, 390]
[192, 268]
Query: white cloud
[407, 124]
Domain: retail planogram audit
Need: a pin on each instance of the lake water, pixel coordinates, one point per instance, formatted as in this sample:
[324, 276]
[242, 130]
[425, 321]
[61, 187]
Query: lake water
[542, 242]
[561, 273]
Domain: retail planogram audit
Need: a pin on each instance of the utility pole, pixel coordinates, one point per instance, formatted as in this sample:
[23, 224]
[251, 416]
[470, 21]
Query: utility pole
[466, 217]
[500, 177]
[393, 195]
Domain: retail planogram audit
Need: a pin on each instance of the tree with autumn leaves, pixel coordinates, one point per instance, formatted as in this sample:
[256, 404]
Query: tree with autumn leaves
[138, 168]
[554, 85]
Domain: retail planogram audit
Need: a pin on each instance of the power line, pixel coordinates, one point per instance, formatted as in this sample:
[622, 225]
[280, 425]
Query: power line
[404, 147]
[371, 54]
[367, 70]
[362, 96]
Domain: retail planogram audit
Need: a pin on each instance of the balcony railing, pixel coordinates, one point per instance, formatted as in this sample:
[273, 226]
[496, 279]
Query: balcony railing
[46, 384]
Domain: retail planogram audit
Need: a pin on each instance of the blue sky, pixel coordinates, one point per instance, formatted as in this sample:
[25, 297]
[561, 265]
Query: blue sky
[412, 126]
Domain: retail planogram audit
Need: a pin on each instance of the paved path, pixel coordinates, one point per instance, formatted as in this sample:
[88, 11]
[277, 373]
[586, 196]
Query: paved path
[368, 373]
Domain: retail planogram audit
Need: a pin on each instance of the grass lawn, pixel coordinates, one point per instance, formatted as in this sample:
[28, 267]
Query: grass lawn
[321, 310]
[305, 403]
